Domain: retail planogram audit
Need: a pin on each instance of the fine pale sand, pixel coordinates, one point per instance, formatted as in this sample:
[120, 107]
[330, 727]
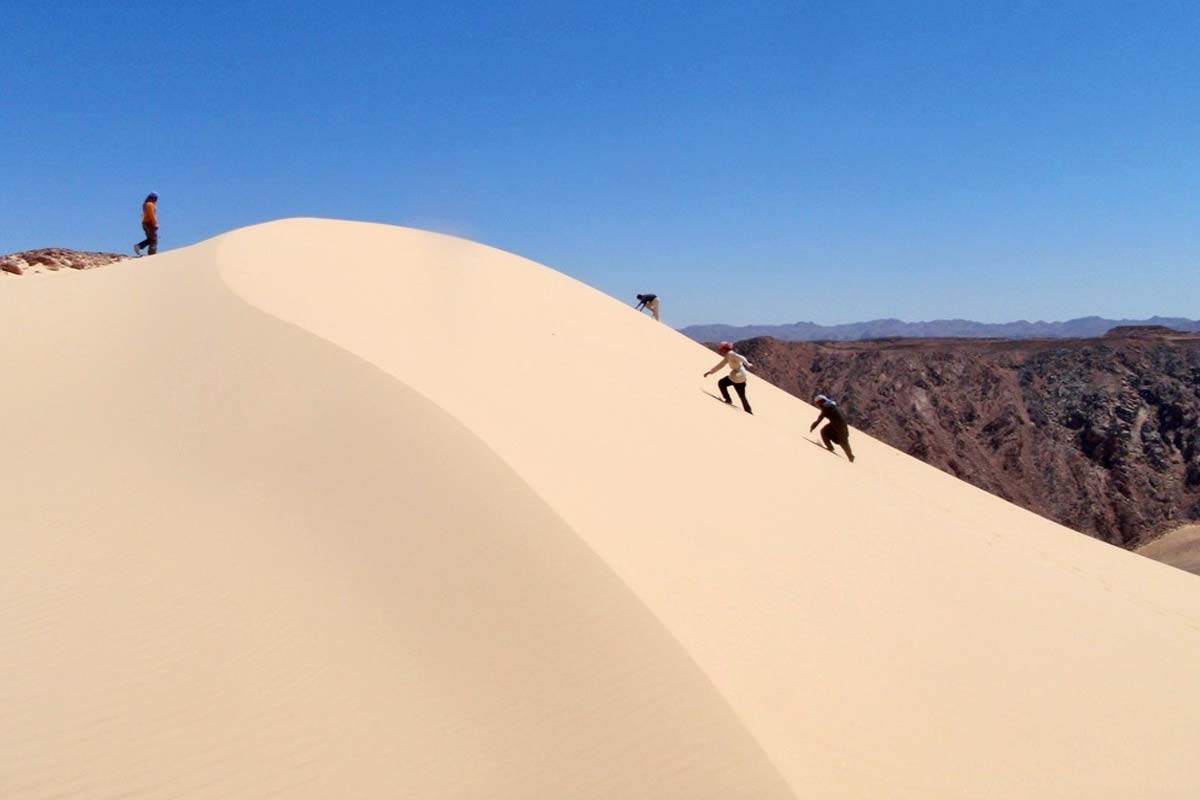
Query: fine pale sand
[326, 509]
[1179, 548]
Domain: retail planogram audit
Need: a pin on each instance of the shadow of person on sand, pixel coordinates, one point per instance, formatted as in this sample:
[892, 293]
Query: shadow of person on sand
[716, 397]
[818, 444]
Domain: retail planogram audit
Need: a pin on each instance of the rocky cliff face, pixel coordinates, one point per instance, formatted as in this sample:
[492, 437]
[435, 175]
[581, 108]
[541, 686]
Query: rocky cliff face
[52, 259]
[1098, 434]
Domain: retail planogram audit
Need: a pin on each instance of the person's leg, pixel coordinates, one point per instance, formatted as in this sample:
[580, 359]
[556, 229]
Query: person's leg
[152, 238]
[844, 441]
[654, 308]
[827, 436]
[144, 242]
[724, 385]
[741, 390]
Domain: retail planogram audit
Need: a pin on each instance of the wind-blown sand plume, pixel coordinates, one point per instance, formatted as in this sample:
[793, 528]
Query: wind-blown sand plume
[337, 509]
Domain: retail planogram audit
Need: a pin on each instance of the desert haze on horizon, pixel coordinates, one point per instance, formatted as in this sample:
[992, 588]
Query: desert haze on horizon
[329, 509]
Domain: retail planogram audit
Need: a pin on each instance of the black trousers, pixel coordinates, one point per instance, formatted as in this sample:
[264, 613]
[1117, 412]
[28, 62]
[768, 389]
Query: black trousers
[832, 435]
[151, 240]
[724, 385]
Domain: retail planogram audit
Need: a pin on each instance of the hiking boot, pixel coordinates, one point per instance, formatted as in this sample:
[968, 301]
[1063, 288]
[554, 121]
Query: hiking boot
[850, 457]
[137, 249]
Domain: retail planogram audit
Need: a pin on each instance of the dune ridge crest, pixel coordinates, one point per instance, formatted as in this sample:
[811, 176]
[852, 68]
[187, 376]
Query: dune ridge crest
[377, 511]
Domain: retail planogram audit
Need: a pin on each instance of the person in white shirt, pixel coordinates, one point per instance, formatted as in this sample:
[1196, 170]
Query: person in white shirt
[736, 378]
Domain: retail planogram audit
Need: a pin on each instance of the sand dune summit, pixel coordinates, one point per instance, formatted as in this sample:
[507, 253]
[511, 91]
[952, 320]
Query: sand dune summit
[327, 509]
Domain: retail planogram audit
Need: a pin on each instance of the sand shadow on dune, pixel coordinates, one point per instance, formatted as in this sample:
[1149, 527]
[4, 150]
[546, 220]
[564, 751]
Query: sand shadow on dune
[716, 397]
[722, 400]
[818, 444]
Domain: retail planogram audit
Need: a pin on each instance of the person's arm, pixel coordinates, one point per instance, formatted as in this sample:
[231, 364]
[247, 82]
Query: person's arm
[822, 416]
[720, 364]
[154, 214]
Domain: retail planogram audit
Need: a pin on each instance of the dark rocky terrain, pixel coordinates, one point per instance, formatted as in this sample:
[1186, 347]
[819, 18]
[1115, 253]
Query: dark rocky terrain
[1102, 435]
[1082, 327]
[52, 259]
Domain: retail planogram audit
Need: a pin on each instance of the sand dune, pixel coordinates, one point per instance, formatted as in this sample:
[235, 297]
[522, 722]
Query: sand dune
[324, 509]
[1179, 548]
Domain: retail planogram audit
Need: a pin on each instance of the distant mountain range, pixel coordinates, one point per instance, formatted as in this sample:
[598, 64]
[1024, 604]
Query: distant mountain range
[1082, 328]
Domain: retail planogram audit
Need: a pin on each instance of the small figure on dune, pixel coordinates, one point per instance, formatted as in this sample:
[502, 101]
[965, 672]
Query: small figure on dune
[149, 225]
[736, 378]
[837, 431]
[649, 302]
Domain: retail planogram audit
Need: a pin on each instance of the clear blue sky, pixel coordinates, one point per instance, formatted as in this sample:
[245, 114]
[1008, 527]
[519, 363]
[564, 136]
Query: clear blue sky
[748, 161]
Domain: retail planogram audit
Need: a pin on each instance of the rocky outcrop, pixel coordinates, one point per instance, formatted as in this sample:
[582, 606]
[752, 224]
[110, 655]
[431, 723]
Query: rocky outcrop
[1102, 435]
[52, 259]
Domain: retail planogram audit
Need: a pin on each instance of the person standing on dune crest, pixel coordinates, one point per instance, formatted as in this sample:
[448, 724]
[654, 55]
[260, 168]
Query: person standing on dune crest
[837, 431]
[736, 378]
[651, 302]
[149, 226]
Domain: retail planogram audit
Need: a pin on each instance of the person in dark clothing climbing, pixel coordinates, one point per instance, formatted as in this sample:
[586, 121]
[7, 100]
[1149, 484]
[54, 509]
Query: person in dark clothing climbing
[650, 302]
[837, 431]
[736, 378]
[149, 226]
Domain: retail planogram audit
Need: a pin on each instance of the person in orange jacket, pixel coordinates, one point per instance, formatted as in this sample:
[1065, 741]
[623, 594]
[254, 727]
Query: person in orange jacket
[149, 225]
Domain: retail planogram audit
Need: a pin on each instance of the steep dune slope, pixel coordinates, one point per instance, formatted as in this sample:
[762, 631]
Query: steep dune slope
[335, 509]
[241, 562]
[880, 627]
[1101, 435]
